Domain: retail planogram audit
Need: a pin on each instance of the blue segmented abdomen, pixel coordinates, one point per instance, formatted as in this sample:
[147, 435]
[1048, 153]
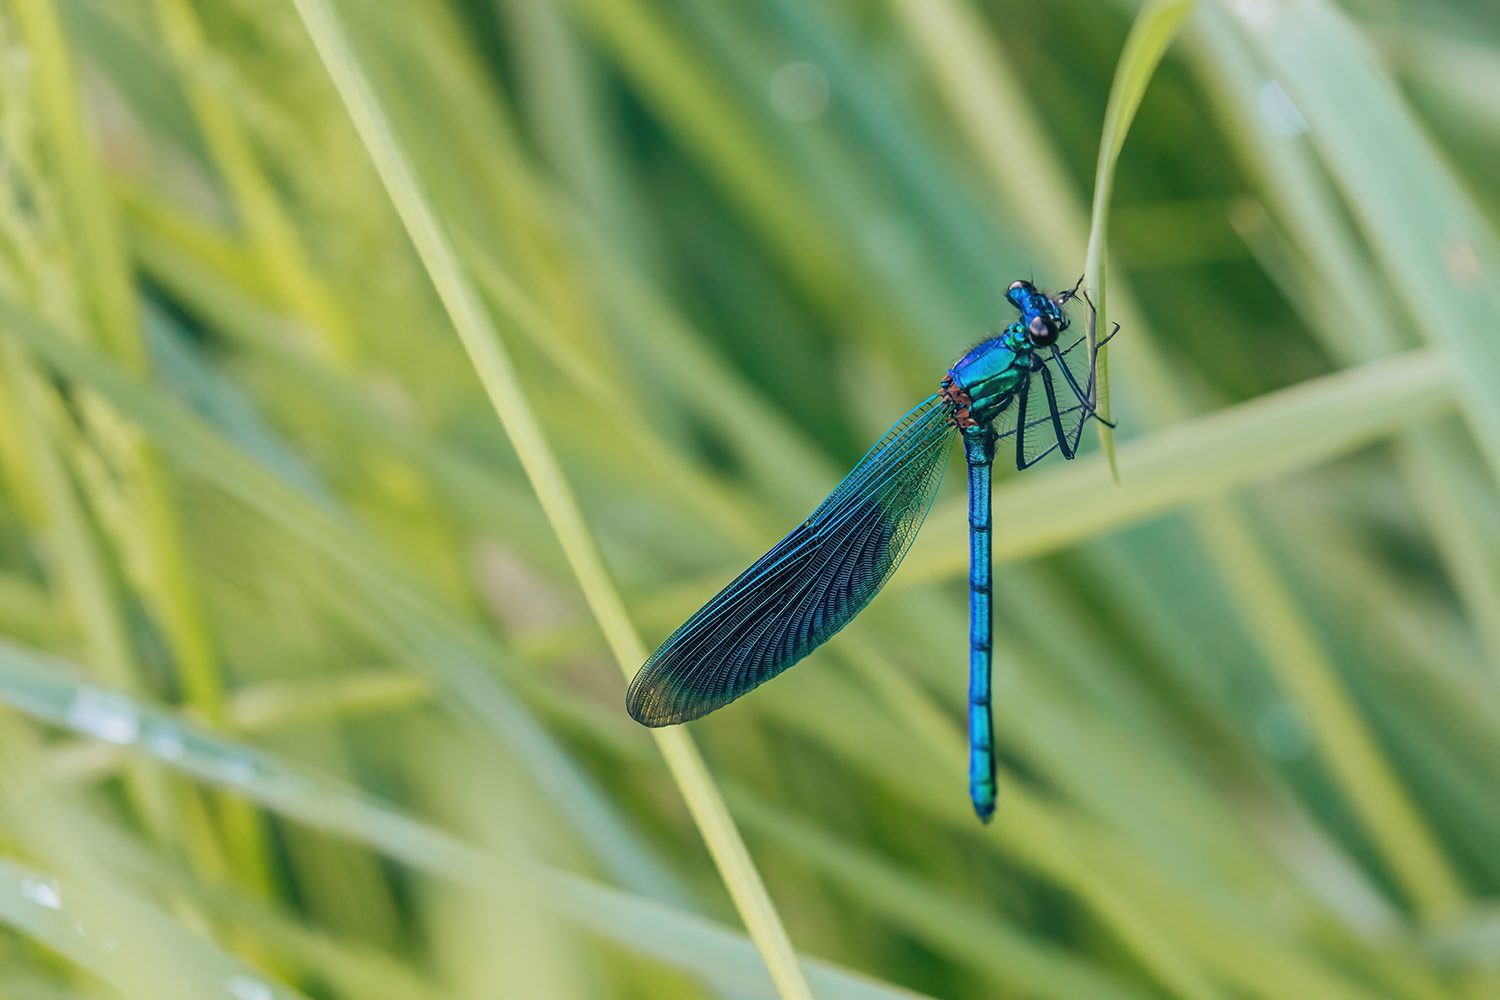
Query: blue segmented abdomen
[979, 452]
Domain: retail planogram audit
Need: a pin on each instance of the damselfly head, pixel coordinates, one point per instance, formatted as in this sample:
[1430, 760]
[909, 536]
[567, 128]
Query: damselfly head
[1042, 317]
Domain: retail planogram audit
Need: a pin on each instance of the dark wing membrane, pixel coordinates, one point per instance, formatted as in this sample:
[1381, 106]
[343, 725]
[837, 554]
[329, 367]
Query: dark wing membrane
[815, 580]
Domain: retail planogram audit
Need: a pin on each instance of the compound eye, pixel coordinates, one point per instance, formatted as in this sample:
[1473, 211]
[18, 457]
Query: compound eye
[1041, 332]
[1015, 285]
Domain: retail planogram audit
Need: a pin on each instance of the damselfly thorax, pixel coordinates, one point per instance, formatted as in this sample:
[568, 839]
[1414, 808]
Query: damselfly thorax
[983, 382]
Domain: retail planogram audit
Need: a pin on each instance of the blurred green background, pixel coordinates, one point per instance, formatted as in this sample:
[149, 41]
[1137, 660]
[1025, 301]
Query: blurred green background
[305, 697]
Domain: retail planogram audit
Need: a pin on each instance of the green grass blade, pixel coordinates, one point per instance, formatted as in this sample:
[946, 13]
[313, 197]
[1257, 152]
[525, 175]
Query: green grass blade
[51, 690]
[967, 932]
[1213, 456]
[1152, 33]
[491, 362]
[95, 930]
[1438, 251]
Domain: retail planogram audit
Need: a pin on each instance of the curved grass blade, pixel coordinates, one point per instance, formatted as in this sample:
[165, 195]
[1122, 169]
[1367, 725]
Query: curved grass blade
[1152, 32]
[806, 588]
[502, 385]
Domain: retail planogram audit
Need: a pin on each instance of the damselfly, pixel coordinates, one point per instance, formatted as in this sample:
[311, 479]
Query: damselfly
[1020, 385]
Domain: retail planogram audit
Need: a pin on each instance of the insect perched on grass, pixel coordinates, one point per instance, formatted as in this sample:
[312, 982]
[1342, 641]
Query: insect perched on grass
[1020, 385]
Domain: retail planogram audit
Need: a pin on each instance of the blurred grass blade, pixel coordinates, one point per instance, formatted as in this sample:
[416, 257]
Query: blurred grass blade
[346, 965]
[968, 933]
[1438, 250]
[94, 929]
[273, 239]
[1210, 457]
[51, 690]
[1153, 31]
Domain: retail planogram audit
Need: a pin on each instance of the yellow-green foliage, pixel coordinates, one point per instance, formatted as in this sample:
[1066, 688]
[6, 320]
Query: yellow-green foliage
[379, 380]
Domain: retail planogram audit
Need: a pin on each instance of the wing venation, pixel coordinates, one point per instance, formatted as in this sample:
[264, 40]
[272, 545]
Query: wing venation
[808, 586]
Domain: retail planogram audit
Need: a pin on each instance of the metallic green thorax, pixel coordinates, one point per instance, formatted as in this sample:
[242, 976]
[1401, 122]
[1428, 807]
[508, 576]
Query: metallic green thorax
[990, 373]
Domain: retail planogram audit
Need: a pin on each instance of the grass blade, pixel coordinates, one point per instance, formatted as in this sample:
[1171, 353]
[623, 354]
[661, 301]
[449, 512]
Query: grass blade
[491, 362]
[1438, 250]
[94, 931]
[1211, 457]
[1153, 31]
